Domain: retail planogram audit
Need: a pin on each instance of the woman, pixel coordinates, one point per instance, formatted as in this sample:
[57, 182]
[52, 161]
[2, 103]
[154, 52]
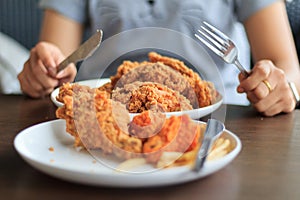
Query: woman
[265, 22]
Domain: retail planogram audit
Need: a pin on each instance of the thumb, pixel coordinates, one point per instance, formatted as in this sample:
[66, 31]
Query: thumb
[68, 73]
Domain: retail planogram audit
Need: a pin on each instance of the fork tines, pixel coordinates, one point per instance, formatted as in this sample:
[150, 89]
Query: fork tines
[217, 41]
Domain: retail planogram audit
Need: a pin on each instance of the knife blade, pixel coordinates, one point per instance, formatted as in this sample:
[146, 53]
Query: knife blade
[84, 51]
[214, 129]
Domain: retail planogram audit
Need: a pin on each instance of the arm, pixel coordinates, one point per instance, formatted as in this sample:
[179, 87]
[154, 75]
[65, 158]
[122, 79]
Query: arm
[65, 33]
[59, 37]
[275, 60]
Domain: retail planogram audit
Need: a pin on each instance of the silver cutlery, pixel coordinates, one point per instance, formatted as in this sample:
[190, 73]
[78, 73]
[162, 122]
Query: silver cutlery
[84, 51]
[221, 45]
[214, 129]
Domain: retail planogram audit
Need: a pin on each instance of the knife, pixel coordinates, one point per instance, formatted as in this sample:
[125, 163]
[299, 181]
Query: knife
[84, 51]
[214, 129]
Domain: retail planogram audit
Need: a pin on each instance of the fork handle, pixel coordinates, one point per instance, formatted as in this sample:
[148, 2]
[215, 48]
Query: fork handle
[241, 68]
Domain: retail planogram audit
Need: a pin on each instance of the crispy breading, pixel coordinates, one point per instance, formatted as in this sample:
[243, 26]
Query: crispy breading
[175, 64]
[107, 87]
[178, 134]
[203, 89]
[142, 96]
[67, 90]
[146, 124]
[97, 122]
[154, 70]
[124, 68]
[162, 74]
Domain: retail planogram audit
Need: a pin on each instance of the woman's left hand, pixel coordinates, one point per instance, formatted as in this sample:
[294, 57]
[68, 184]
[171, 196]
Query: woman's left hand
[267, 89]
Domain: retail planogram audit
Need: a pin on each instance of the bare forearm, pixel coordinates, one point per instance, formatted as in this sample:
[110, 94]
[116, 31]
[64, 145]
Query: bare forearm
[65, 33]
[279, 48]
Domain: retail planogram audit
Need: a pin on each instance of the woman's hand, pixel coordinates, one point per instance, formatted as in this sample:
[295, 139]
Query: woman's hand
[267, 89]
[35, 78]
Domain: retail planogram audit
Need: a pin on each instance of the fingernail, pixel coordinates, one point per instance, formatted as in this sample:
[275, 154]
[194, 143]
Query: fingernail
[240, 90]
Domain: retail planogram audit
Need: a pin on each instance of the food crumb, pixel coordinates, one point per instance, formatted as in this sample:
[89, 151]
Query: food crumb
[94, 161]
[52, 161]
[261, 118]
[51, 149]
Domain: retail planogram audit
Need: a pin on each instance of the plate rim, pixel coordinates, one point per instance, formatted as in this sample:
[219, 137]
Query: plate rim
[122, 180]
[55, 92]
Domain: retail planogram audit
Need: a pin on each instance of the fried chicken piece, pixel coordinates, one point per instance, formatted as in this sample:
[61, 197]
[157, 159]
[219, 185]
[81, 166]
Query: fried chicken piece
[97, 122]
[162, 74]
[203, 89]
[178, 134]
[107, 87]
[150, 96]
[146, 124]
[124, 68]
[67, 90]
[194, 88]
[174, 64]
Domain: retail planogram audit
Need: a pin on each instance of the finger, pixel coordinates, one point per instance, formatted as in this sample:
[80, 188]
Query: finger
[279, 107]
[260, 92]
[33, 61]
[26, 86]
[240, 89]
[264, 89]
[46, 80]
[29, 78]
[252, 97]
[264, 104]
[260, 72]
[51, 56]
[68, 74]
[45, 54]
[268, 85]
[241, 77]
[39, 74]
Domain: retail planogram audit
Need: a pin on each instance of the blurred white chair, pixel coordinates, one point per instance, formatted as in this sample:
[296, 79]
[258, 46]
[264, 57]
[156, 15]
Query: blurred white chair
[12, 57]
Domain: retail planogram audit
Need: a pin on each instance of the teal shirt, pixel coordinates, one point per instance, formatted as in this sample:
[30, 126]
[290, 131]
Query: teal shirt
[115, 16]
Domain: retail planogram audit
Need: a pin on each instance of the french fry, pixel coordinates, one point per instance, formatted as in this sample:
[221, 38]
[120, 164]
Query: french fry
[168, 159]
[131, 164]
[221, 148]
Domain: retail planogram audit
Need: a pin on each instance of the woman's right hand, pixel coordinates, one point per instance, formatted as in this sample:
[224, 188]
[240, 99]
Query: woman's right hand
[37, 78]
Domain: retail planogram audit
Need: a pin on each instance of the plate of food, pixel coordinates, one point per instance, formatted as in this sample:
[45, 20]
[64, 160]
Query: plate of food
[161, 82]
[49, 148]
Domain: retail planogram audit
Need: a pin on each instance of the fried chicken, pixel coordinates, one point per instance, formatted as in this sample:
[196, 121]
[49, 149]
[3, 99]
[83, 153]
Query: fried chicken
[142, 96]
[97, 122]
[98, 118]
[203, 89]
[170, 72]
[177, 134]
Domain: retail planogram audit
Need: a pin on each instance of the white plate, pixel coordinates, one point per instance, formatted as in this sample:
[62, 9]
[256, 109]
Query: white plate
[194, 114]
[93, 83]
[66, 163]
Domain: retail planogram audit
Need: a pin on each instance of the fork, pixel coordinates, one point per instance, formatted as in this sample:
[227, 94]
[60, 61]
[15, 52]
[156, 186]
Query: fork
[221, 45]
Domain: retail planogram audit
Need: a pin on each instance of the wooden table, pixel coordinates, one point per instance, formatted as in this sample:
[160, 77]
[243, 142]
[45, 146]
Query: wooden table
[268, 166]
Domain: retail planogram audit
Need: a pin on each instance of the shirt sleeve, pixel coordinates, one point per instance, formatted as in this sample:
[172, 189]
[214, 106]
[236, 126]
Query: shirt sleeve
[246, 8]
[73, 9]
